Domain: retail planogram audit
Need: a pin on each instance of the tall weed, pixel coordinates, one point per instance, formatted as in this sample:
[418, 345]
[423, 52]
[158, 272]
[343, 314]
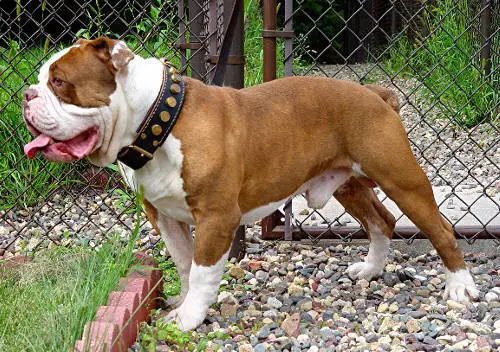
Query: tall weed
[447, 62]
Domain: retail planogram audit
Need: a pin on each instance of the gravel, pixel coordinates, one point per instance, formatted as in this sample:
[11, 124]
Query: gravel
[72, 219]
[323, 310]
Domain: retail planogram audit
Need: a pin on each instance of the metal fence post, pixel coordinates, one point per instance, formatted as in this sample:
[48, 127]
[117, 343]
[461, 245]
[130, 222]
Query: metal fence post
[235, 77]
[269, 42]
[196, 55]
[288, 41]
[235, 71]
[486, 37]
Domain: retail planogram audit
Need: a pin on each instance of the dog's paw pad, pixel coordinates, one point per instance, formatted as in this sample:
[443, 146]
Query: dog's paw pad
[364, 270]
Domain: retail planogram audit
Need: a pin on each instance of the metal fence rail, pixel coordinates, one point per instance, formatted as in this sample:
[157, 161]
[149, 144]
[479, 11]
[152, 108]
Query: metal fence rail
[455, 138]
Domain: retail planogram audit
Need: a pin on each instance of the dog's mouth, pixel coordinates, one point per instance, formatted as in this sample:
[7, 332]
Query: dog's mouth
[72, 149]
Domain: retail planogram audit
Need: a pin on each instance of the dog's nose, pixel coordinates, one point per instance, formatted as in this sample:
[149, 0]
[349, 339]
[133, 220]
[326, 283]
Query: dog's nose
[30, 94]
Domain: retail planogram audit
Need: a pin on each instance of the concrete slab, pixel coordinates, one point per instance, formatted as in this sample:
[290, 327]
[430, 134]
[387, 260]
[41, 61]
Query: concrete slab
[467, 206]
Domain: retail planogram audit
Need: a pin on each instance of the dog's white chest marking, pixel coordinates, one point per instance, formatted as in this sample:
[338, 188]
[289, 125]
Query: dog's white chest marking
[162, 182]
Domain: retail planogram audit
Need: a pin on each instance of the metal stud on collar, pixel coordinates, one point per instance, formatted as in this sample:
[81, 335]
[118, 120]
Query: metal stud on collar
[171, 102]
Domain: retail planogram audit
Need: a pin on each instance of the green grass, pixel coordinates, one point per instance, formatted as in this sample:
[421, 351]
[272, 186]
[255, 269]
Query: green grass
[46, 303]
[447, 62]
[254, 53]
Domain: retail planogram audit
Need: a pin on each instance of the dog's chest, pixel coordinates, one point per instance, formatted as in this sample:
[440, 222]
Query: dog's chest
[161, 181]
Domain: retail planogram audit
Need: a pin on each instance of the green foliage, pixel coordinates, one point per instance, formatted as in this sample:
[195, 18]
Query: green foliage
[172, 286]
[447, 62]
[169, 333]
[314, 24]
[253, 43]
[51, 299]
[254, 52]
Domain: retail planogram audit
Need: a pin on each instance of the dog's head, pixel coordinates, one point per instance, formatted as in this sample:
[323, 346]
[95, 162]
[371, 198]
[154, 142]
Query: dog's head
[72, 111]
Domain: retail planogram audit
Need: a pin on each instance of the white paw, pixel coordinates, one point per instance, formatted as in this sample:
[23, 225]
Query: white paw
[186, 317]
[460, 286]
[364, 270]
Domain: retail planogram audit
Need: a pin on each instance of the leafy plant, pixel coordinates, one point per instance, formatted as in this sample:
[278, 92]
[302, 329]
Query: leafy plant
[95, 16]
[169, 333]
[446, 61]
[173, 283]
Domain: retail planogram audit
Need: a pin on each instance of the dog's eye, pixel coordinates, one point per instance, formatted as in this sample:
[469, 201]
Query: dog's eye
[57, 82]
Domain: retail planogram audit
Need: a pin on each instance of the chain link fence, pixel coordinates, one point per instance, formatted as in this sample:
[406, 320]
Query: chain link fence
[44, 204]
[442, 60]
[440, 57]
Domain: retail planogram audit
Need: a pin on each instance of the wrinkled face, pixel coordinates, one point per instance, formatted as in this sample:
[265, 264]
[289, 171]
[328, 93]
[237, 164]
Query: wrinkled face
[70, 110]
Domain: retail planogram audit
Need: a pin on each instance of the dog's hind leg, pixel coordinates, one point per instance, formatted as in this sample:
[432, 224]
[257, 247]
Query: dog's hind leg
[402, 179]
[179, 243]
[362, 203]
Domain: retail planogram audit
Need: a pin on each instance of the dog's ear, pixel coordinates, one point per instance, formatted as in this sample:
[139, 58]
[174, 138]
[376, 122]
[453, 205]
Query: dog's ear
[112, 50]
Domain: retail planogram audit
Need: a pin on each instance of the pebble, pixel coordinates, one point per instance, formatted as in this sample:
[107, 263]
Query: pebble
[246, 347]
[264, 332]
[491, 297]
[274, 302]
[303, 341]
[236, 272]
[261, 347]
[455, 305]
[291, 325]
[295, 290]
[382, 308]
[413, 326]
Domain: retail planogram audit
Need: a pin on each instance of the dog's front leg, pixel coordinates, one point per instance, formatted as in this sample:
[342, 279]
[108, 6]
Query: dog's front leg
[179, 242]
[213, 237]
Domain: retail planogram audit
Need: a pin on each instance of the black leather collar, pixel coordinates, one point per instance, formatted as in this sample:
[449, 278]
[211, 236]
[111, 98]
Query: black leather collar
[159, 121]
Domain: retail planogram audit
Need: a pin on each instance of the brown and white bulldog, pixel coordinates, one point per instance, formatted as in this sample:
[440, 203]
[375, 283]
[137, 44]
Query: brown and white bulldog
[236, 155]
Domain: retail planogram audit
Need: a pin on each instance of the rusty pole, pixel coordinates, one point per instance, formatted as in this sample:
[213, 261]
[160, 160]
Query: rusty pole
[235, 71]
[486, 37]
[197, 55]
[269, 43]
[234, 77]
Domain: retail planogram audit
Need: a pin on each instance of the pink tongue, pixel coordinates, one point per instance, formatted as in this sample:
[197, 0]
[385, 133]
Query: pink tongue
[72, 149]
[32, 147]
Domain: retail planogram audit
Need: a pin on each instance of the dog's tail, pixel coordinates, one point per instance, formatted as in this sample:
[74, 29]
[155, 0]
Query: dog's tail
[386, 94]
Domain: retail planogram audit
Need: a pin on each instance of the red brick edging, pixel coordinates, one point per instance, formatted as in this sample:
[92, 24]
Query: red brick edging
[116, 324]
